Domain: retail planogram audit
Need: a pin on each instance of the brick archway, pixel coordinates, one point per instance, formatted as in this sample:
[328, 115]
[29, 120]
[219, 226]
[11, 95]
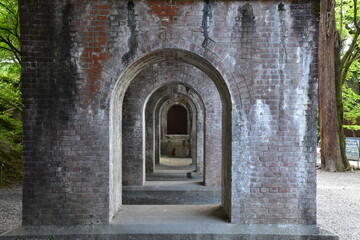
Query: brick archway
[162, 96]
[232, 114]
[141, 89]
[79, 57]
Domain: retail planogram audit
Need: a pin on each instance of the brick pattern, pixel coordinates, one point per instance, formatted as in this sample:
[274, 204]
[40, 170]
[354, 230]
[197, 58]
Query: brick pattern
[80, 56]
[135, 99]
[157, 102]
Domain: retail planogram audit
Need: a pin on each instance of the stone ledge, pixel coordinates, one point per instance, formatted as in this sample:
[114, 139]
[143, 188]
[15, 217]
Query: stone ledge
[224, 231]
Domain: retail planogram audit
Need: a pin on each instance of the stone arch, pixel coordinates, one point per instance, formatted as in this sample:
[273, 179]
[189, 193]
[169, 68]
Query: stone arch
[167, 105]
[197, 113]
[230, 97]
[143, 86]
[153, 105]
[152, 120]
[214, 52]
[153, 49]
[199, 129]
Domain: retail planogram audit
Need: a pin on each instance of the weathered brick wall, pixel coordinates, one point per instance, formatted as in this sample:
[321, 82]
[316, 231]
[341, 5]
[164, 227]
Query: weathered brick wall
[158, 101]
[141, 88]
[174, 93]
[65, 179]
[80, 56]
[175, 145]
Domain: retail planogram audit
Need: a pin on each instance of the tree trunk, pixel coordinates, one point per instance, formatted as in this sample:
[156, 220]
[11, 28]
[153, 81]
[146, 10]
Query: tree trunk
[330, 145]
[340, 106]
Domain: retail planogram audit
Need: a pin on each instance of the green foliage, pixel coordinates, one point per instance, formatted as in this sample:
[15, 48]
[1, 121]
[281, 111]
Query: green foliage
[348, 25]
[345, 17]
[351, 102]
[9, 31]
[10, 127]
[10, 96]
[352, 80]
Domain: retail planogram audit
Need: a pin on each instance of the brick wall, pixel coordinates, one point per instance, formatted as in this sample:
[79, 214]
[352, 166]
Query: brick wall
[79, 57]
[141, 88]
[156, 104]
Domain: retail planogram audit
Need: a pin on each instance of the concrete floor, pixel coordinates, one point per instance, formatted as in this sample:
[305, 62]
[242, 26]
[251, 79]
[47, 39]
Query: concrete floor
[160, 168]
[175, 184]
[163, 214]
[170, 223]
[172, 161]
[172, 193]
[174, 169]
[168, 164]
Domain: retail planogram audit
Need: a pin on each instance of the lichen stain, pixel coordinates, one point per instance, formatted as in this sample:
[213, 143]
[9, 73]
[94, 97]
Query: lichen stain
[281, 7]
[283, 18]
[58, 96]
[245, 21]
[132, 41]
[167, 11]
[243, 31]
[304, 16]
[247, 14]
[61, 89]
[205, 24]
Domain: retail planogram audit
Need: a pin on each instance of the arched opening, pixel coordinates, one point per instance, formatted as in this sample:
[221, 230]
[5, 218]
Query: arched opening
[195, 120]
[179, 157]
[116, 138]
[177, 121]
[158, 144]
[175, 139]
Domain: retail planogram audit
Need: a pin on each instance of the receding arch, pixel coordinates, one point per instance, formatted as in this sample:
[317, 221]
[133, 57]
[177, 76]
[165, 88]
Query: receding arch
[197, 128]
[149, 80]
[231, 117]
[167, 138]
[170, 93]
[141, 88]
[161, 117]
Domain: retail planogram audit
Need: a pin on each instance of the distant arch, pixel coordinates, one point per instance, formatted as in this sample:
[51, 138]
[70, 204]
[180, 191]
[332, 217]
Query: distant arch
[228, 103]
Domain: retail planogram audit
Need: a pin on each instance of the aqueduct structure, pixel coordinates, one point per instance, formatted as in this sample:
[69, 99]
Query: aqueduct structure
[105, 82]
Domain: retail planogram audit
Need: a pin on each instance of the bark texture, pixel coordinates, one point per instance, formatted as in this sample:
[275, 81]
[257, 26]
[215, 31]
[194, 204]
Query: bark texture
[331, 159]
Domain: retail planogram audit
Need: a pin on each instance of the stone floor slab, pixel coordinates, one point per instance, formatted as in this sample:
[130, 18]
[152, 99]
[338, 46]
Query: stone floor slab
[198, 222]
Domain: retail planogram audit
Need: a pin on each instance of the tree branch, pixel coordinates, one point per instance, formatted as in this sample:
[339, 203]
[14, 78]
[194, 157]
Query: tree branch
[10, 35]
[355, 16]
[345, 69]
[9, 9]
[13, 49]
[347, 54]
[11, 103]
[9, 31]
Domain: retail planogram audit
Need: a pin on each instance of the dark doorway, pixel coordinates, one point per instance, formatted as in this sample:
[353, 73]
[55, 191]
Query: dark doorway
[177, 120]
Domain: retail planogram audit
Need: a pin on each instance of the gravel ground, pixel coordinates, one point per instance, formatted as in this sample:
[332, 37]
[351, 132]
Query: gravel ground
[10, 208]
[338, 204]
